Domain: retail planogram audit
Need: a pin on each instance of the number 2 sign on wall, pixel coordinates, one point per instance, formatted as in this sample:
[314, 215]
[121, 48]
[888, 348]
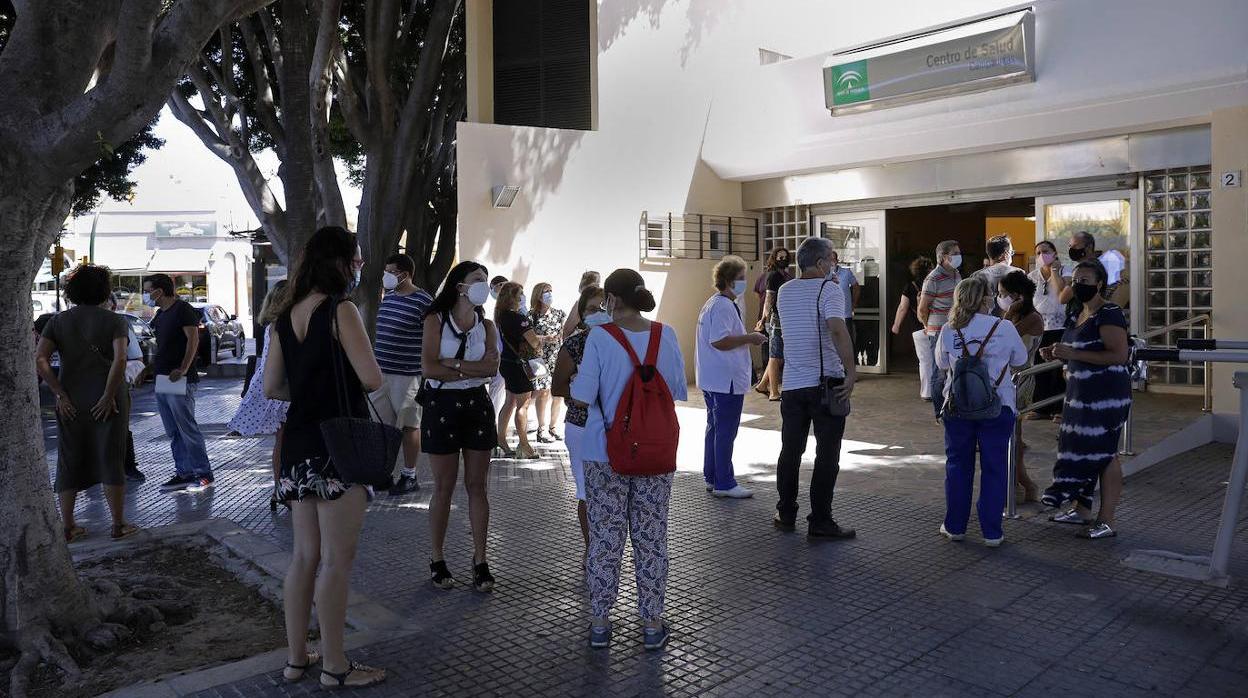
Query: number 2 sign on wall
[1231, 178]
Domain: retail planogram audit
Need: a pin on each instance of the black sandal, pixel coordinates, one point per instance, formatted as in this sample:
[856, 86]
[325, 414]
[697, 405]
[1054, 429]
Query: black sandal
[441, 574]
[340, 680]
[482, 580]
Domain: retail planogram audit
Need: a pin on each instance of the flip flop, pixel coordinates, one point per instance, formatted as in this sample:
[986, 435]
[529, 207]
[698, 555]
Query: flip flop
[75, 534]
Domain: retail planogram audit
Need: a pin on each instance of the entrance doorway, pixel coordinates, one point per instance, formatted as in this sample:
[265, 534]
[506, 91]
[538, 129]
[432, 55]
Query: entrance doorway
[913, 233]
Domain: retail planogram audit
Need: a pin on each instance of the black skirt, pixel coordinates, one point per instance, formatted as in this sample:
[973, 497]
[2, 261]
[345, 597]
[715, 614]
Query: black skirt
[515, 377]
[458, 420]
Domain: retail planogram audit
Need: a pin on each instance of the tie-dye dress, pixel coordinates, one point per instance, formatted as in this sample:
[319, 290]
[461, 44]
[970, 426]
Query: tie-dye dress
[1098, 400]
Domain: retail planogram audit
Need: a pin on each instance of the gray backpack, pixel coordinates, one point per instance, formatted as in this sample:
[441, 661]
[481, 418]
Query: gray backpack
[972, 392]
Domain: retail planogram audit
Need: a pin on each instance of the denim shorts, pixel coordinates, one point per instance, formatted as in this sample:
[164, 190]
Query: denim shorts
[775, 343]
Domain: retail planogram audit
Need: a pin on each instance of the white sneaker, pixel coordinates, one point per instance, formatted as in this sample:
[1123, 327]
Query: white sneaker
[737, 492]
[955, 537]
[994, 542]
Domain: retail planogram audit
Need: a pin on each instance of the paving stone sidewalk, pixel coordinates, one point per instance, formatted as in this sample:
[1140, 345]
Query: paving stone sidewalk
[757, 612]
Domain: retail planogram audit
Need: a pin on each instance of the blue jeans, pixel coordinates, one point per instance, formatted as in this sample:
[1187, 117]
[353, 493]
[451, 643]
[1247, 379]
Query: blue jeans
[177, 413]
[993, 438]
[723, 416]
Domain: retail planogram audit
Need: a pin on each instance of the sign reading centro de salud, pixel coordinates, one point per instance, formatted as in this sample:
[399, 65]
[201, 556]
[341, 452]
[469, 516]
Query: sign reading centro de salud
[982, 61]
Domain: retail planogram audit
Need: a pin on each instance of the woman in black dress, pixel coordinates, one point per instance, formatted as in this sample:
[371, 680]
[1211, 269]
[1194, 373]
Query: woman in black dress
[907, 318]
[520, 343]
[1098, 401]
[327, 512]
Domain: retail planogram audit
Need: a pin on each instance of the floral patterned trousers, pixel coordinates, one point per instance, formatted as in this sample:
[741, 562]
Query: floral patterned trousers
[619, 506]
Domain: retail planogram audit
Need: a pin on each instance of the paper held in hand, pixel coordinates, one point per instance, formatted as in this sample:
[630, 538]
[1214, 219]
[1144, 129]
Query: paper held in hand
[164, 386]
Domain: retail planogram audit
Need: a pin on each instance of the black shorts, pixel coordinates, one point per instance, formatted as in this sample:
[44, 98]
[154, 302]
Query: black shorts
[515, 377]
[458, 420]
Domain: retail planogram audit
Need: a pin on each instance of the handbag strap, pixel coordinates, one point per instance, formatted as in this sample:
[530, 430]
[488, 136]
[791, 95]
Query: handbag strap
[340, 370]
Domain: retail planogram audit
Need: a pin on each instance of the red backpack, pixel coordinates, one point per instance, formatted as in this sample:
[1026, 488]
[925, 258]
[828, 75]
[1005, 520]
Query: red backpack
[644, 435]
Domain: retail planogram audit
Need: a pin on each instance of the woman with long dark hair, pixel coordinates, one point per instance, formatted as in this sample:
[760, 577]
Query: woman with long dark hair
[459, 356]
[316, 330]
[1098, 401]
[1014, 297]
[908, 309]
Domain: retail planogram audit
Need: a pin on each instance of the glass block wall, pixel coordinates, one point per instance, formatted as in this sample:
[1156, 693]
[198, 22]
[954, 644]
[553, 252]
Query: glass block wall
[1179, 267]
[784, 227]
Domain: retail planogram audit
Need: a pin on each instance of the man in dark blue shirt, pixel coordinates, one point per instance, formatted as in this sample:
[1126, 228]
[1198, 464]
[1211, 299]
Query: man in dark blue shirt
[177, 342]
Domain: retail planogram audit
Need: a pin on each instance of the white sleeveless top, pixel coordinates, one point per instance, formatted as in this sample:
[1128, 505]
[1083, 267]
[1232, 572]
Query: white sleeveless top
[475, 351]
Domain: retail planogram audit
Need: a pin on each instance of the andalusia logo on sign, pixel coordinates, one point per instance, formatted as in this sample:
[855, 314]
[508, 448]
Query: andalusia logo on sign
[850, 83]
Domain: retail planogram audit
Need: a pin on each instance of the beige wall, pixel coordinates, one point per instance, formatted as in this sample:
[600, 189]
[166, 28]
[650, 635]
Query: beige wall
[1230, 251]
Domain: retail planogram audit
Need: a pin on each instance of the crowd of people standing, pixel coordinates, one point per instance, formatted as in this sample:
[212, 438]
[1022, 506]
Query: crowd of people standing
[455, 380]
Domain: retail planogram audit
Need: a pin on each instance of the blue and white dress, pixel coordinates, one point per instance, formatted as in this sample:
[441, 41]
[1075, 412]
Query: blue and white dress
[1098, 400]
[258, 414]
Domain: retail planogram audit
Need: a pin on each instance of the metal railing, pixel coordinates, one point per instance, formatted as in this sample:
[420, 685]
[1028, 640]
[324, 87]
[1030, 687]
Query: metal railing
[697, 236]
[1125, 445]
[1205, 320]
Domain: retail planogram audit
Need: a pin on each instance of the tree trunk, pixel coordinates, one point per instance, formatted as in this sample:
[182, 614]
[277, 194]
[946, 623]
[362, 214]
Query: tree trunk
[41, 598]
[297, 169]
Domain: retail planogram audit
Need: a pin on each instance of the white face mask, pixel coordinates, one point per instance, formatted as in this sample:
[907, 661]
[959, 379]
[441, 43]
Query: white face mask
[524, 303]
[355, 281]
[597, 318]
[478, 293]
[955, 261]
[1004, 302]
[548, 298]
[738, 287]
[389, 281]
[494, 292]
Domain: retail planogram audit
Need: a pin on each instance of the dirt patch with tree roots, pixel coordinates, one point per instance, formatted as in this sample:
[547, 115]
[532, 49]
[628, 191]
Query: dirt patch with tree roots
[189, 613]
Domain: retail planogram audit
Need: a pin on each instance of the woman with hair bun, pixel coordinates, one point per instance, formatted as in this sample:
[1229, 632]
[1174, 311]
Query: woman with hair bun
[623, 504]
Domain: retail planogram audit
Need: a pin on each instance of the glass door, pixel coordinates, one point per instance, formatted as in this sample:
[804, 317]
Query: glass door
[859, 242]
[1110, 218]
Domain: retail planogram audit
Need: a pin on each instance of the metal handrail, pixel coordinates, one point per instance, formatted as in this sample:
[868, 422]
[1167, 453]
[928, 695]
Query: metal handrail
[1203, 317]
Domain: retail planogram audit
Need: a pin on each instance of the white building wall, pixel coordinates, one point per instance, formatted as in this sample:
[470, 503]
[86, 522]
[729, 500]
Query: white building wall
[1103, 68]
[661, 65]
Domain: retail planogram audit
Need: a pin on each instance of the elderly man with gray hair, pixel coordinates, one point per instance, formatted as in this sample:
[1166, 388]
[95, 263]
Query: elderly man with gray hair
[934, 305]
[818, 380]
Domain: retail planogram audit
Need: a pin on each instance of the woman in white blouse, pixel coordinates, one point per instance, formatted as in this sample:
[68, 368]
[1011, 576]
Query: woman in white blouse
[1050, 279]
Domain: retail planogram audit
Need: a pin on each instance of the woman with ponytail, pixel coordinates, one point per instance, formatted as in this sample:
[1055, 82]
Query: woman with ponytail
[618, 504]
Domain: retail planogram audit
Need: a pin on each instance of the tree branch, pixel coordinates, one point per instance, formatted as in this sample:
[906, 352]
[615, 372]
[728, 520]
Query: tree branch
[195, 119]
[350, 103]
[266, 109]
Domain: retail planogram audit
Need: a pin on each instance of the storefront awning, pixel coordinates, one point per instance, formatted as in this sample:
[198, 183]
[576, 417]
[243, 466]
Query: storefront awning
[194, 261]
[123, 255]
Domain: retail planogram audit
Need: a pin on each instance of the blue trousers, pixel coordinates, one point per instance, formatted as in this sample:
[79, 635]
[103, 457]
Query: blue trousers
[992, 436]
[723, 417]
[937, 385]
[177, 413]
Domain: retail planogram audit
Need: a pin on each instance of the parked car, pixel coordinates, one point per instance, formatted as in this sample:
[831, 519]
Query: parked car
[218, 330]
[147, 338]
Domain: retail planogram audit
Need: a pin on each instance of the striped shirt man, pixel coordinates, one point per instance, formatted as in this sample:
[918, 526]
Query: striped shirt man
[939, 287]
[400, 332]
[805, 330]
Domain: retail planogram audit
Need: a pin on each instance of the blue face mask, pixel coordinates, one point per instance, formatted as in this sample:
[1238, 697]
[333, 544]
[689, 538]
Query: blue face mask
[597, 318]
[355, 281]
[738, 287]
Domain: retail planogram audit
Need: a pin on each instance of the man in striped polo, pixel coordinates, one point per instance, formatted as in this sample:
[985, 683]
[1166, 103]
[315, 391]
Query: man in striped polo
[934, 307]
[400, 335]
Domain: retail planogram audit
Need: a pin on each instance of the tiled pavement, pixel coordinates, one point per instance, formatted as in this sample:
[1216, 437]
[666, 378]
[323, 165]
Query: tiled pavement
[756, 612]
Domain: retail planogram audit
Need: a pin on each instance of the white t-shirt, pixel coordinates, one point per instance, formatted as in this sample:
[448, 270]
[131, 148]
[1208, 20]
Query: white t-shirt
[606, 369]
[802, 331]
[1046, 301]
[720, 371]
[1005, 348]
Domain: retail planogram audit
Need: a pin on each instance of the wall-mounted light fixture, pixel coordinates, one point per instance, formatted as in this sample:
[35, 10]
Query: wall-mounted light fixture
[504, 195]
